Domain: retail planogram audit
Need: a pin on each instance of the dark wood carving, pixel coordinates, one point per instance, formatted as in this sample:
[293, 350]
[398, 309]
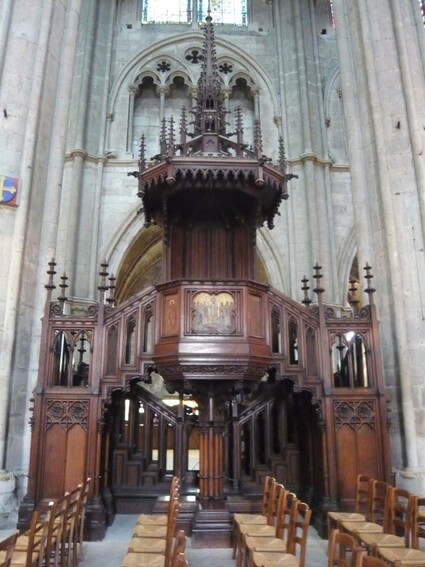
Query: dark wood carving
[276, 384]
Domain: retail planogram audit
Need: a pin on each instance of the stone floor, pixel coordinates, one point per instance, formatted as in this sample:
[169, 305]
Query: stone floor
[110, 551]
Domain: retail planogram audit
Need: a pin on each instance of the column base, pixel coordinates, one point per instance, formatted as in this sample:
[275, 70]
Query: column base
[411, 479]
[8, 500]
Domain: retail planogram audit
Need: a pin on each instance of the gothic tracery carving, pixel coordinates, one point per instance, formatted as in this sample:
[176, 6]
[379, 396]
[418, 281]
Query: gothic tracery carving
[67, 413]
[355, 414]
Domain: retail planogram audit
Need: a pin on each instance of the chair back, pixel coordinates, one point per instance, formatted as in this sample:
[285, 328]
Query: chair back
[298, 531]
[179, 546]
[363, 493]
[180, 561]
[401, 514]
[371, 561]
[417, 526]
[269, 481]
[171, 528]
[43, 540]
[8, 546]
[343, 550]
[286, 514]
[272, 502]
[381, 504]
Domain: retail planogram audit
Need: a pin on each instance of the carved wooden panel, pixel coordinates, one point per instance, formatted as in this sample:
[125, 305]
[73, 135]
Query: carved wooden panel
[67, 413]
[64, 459]
[357, 444]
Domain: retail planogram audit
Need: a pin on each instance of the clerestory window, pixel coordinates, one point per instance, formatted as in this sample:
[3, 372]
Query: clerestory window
[232, 12]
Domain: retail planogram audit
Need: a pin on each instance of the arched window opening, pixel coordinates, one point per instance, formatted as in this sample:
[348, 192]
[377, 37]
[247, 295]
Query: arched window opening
[349, 361]
[169, 441]
[354, 291]
[141, 428]
[241, 96]
[246, 449]
[112, 351]
[290, 420]
[130, 345]
[61, 358]
[154, 456]
[275, 323]
[275, 428]
[261, 439]
[148, 333]
[293, 341]
[146, 117]
[311, 354]
[81, 360]
[177, 97]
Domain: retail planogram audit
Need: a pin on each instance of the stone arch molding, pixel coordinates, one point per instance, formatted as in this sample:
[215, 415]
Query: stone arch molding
[144, 65]
[334, 117]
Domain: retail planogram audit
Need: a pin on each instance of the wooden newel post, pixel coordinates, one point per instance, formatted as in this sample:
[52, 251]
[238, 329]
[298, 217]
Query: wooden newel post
[211, 454]
[211, 475]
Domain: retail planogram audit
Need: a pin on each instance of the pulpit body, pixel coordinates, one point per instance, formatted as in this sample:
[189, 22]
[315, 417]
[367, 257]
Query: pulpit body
[209, 375]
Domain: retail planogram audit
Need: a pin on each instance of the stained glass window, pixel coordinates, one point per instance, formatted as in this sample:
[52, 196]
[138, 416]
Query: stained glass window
[422, 6]
[224, 11]
[167, 11]
[185, 11]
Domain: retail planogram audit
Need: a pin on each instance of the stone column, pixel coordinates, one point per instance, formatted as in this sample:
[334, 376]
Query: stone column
[132, 92]
[162, 91]
[5, 19]
[226, 95]
[256, 95]
[25, 147]
[379, 64]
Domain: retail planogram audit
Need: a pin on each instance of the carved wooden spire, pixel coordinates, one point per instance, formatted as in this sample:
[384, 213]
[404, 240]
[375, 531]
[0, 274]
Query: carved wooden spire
[209, 110]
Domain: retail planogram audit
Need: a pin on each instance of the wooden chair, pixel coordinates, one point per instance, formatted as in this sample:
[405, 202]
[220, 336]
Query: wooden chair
[364, 490]
[266, 516]
[181, 561]
[58, 541]
[134, 559]
[277, 543]
[161, 519]
[7, 547]
[418, 521]
[412, 555]
[343, 550]
[399, 528]
[265, 529]
[69, 543]
[371, 561]
[380, 519]
[153, 529]
[158, 546]
[81, 517]
[297, 543]
[30, 548]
